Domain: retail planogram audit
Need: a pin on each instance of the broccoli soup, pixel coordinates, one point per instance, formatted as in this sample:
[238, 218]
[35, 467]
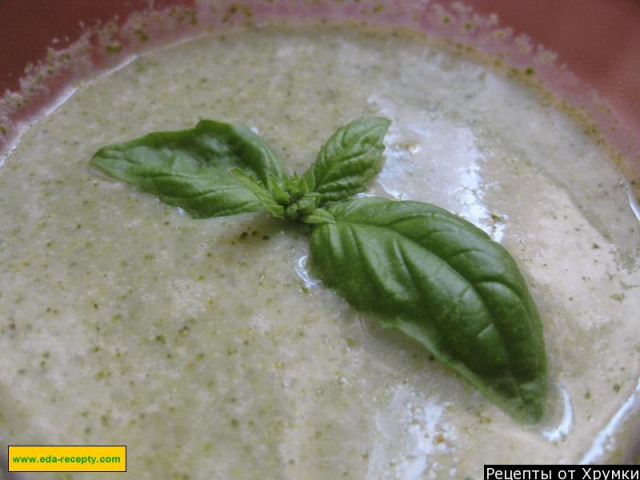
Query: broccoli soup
[211, 349]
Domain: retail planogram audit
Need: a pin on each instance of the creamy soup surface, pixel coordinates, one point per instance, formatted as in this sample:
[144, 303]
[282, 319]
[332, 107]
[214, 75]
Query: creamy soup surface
[208, 347]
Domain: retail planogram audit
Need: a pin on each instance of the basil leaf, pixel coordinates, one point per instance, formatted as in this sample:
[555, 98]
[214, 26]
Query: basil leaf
[266, 198]
[317, 216]
[446, 284]
[348, 160]
[191, 168]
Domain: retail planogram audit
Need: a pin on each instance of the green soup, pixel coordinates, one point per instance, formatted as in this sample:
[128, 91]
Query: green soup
[208, 347]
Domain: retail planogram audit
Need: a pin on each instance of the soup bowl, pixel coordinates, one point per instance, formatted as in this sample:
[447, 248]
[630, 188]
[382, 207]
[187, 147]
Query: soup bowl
[580, 57]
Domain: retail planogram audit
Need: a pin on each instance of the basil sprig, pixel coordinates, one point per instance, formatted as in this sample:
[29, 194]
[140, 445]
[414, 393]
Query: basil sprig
[416, 267]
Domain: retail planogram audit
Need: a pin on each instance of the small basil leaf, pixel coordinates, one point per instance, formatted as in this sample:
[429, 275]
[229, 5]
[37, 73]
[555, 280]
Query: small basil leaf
[269, 203]
[446, 284]
[190, 168]
[297, 186]
[318, 216]
[348, 160]
[280, 195]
